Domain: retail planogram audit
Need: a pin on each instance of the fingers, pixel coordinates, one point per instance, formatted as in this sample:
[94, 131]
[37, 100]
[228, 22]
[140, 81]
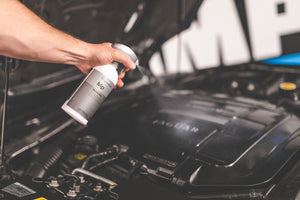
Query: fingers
[121, 75]
[120, 83]
[126, 61]
[123, 58]
[103, 54]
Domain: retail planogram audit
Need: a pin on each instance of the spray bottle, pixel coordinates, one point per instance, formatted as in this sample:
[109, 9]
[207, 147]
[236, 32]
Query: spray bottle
[96, 86]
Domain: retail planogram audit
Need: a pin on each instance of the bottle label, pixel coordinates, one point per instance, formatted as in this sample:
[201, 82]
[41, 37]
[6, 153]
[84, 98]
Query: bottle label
[92, 92]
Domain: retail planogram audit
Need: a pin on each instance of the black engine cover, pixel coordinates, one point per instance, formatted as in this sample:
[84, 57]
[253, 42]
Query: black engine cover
[203, 140]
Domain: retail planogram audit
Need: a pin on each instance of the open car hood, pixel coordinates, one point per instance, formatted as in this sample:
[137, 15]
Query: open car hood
[135, 23]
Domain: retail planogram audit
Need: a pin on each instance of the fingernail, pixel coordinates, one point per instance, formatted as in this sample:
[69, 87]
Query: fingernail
[133, 66]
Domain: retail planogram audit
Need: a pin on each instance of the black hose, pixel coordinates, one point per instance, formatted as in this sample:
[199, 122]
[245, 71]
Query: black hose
[49, 156]
[44, 161]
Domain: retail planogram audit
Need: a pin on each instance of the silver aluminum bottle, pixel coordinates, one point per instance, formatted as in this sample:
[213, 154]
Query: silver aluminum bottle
[96, 86]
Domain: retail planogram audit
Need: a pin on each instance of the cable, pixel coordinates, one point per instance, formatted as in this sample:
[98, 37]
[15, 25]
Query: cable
[103, 163]
[109, 151]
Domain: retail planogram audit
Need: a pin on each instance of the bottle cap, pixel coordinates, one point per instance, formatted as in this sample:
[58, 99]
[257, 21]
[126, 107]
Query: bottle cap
[125, 49]
[287, 86]
[288, 90]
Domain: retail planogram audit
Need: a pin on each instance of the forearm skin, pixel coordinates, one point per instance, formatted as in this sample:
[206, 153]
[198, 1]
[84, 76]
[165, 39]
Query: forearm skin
[28, 37]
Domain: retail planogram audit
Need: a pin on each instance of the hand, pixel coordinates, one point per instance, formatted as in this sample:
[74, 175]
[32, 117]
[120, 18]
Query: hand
[102, 54]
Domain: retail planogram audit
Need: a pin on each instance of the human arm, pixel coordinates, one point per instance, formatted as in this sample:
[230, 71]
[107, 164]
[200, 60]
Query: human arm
[24, 35]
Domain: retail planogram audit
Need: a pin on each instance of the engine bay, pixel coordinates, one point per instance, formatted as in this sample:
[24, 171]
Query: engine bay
[201, 136]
